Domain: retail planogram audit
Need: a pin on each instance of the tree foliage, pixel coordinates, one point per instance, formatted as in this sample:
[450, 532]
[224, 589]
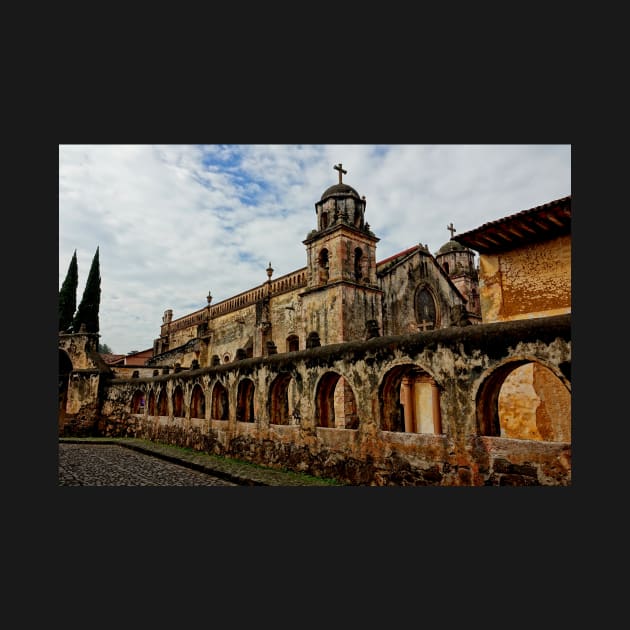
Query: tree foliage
[68, 295]
[103, 348]
[87, 313]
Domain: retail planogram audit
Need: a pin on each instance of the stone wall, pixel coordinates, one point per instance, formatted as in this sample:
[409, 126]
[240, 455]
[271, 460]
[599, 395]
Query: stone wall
[529, 281]
[467, 366]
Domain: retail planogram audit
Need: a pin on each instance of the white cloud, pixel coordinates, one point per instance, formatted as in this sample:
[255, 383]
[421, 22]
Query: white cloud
[173, 222]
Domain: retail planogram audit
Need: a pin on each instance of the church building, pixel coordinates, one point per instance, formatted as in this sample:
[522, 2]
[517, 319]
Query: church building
[343, 293]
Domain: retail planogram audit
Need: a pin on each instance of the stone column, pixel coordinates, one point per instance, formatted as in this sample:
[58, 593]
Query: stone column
[437, 417]
[406, 398]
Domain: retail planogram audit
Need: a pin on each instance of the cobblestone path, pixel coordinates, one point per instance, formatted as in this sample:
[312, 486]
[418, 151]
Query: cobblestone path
[111, 465]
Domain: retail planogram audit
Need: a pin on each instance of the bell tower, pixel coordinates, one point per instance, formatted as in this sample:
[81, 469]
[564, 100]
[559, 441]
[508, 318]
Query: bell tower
[342, 292]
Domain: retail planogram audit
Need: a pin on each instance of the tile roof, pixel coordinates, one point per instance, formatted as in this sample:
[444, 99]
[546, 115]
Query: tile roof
[536, 224]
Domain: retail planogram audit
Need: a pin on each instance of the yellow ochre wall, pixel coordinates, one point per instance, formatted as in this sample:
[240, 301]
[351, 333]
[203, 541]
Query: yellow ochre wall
[529, 281]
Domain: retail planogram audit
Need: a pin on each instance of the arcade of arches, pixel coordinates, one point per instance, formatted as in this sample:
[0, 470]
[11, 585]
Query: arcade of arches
[446, 407]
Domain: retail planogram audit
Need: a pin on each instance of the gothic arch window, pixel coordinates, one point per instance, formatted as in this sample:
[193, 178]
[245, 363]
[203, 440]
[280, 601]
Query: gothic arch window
[525, 400]
[426, 309]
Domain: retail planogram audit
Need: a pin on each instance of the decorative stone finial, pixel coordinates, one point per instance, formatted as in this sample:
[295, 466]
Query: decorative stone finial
[269, 271]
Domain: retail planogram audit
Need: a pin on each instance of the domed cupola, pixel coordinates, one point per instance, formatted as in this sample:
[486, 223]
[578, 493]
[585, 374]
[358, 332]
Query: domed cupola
[452, 246]
[455, 258]
[340, 205]
[458, 261]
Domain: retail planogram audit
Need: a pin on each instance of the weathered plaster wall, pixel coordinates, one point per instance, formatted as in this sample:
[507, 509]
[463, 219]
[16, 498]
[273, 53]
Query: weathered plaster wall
[526, 282]
[460, 361]
[533, 404]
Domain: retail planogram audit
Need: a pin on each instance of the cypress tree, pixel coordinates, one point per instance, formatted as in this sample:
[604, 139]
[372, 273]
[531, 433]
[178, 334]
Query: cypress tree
[87, 313]
[68, 295]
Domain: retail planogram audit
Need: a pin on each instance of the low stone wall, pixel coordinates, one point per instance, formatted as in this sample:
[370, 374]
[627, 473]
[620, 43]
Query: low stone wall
[464, 364]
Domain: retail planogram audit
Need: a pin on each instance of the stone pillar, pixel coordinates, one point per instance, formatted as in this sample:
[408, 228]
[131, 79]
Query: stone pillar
[406, 398]
[437, 416]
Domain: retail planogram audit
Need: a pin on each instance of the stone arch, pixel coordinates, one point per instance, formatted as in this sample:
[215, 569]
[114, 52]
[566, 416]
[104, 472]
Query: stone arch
[178, 402]
[162, 403]
[409, 400]
[335, 403]
[426, 307]
[138, 402]
[65, 369]
[197, 402]
[525, 399]
[152, 403]
[279, 405]
[219, 405]
[245, 401]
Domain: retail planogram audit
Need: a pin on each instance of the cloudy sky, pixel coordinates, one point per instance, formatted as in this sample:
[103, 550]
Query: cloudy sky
[173, 222]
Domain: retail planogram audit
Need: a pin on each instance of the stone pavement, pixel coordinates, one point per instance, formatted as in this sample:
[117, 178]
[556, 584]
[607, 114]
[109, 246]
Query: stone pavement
[136, 462]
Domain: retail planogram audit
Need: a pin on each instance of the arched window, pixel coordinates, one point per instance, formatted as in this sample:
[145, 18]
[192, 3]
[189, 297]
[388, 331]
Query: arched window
[426, 311]
[293, 343]
[323, 265]
[445, 266]
[279, 408]
[335, 404]
[313, 340]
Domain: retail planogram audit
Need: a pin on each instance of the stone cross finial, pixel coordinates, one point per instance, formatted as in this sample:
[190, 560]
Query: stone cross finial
[451, 229]
[338, 167]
